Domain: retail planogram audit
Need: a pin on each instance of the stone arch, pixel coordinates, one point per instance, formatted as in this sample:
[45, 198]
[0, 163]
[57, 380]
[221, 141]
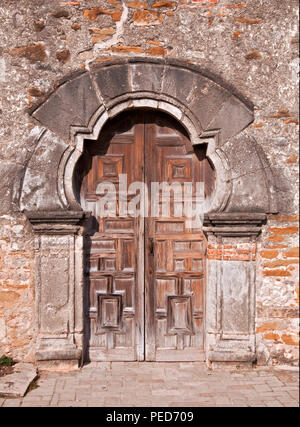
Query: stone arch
[211, 112]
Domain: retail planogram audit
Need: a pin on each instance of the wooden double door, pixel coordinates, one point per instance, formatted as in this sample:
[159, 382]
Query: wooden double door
[145, 273]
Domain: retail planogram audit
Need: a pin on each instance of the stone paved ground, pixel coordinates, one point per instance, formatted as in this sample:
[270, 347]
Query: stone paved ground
[162, 384]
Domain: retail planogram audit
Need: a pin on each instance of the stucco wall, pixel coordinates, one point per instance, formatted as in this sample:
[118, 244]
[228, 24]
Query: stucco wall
[251, 46]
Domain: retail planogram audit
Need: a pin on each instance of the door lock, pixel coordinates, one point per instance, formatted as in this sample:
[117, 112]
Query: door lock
[151, 245]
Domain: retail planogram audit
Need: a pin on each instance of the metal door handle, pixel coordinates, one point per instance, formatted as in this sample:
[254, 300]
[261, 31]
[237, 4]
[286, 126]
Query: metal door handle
[151, 245]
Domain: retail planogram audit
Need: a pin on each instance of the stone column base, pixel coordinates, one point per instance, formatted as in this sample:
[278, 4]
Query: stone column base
[56, 357]
[57, 365]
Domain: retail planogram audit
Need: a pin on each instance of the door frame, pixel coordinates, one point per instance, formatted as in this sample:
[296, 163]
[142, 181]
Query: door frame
[143, 141]
[58, 220]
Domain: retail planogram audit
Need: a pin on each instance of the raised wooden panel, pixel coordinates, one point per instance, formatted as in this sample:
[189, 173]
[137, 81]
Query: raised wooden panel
[169, 226]
[180, 315]
[118, 225]
[109, 312]
[178, 169]
[125, 285]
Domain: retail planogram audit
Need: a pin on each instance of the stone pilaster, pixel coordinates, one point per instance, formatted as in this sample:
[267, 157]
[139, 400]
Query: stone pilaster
[230, 299]
[58, 288]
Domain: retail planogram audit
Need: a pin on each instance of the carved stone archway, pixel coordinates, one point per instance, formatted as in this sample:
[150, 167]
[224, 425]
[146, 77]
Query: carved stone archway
[213, 114]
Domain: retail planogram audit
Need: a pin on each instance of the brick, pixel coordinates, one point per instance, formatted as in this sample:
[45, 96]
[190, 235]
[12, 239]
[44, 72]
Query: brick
[275, 238]
[284, 218]
[280, 263]
[137, 5]
[279, 273]
[274, 337]
[156, 51]
[126, 49]
[270, 326]
[284, 230]
[34, 52]
[236, 257]
[290, 339]
[106, 31]
[159, 4]
[147, 18]
[280, 114]
[290, 121]
[276, 246]
[92, 14]
[99, 37]
[292, 159]
[7, 297]
[291, 253]
[269, 254]
[153, 43]
[116, 16]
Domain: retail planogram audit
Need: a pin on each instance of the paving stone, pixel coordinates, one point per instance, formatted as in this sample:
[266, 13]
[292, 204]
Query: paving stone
[162, 386]
[17, 383]
[11, 403]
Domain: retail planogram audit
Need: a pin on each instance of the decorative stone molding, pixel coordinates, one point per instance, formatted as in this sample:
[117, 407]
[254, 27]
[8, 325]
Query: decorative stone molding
[240, 224]
[200, 96]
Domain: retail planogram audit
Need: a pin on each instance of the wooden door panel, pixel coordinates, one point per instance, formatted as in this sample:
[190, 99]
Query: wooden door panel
[116, 273]
[175, 283]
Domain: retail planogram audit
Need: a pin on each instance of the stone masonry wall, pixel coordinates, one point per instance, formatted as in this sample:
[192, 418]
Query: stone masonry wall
[251, 44]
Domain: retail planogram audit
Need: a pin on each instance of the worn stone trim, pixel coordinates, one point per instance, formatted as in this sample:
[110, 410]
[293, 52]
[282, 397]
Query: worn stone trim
[104, 81]
[55, 217]
[175, 62]
[241, 224]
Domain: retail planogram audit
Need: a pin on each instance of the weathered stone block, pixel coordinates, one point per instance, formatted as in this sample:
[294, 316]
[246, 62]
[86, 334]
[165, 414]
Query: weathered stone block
[207, 100]
[235, 297]
[113, 81]
[231, 118]
[178, 83]
[146, 77]
[80, 95]
[17, 383]
[55, 116]
[249, 193]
